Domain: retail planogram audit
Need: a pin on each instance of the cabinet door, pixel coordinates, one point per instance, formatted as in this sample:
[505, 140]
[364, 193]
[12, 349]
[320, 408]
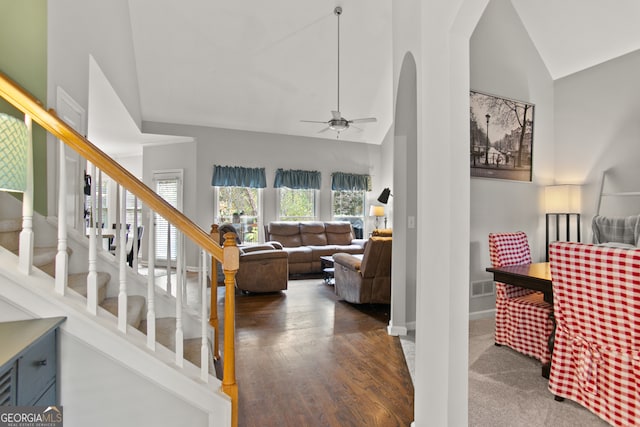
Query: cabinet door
[37, 369]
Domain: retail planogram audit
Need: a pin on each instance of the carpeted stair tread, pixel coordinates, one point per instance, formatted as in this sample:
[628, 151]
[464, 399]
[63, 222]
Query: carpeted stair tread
[10, 233]
[10, 225]
[78, 282]
[166, 336]
[165, 331]
[135, 308]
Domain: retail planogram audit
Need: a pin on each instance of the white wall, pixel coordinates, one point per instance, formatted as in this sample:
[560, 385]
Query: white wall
[505, 62]
[99, 391]
[215, 146]
[79, 28]
[597, 128]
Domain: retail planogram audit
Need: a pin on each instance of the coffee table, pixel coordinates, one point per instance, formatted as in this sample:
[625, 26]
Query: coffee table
[326, 263]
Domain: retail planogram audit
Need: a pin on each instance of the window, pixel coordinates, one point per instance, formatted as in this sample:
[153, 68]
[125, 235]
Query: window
[348, 199]
[238, 199]
[240, 206]
[348, 205]
[168, 185]
[297, 191]
[297, 204]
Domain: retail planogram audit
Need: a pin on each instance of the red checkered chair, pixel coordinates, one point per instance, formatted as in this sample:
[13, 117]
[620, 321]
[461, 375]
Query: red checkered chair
[522, 316]
[596, 356]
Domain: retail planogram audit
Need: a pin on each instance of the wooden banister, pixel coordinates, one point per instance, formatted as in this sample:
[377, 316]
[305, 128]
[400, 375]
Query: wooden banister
[26, 103]
[228, 256]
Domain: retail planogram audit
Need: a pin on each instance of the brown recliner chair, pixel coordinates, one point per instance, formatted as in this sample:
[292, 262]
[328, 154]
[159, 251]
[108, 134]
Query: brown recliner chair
[365, 279]
[263, 268]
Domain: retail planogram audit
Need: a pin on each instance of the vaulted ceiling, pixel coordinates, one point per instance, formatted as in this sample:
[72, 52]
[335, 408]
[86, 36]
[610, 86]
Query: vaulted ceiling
[264, 66]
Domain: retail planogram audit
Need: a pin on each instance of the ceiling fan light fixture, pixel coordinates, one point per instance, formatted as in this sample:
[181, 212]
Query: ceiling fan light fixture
[338, 123]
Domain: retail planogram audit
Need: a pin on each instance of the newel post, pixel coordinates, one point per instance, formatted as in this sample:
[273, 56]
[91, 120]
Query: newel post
[230, 264]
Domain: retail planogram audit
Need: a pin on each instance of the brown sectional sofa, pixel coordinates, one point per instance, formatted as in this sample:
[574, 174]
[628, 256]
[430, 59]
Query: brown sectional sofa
[307, 241]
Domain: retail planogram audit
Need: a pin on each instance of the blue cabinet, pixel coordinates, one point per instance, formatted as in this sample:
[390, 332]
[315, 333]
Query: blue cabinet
[28, 362]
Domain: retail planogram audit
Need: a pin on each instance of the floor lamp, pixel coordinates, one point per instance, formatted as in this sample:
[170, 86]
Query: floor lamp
[561, 201]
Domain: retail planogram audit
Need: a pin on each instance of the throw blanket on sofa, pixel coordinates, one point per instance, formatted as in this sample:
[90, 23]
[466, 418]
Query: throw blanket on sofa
[616, 229]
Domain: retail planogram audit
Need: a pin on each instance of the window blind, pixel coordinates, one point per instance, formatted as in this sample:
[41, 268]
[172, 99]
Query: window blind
[168, 189]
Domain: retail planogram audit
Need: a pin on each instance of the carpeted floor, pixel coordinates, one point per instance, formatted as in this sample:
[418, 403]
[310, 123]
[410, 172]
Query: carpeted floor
[506, 388]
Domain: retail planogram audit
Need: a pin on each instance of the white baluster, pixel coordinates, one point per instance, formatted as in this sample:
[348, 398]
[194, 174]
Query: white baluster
[151, 285]
[180, 276]
[92, 277]
[134, 263]
[118, 224]
[168, 258]
[62, 257]
[25, 261]
[179, 331]
[122, 295]
[99, 213]
[204, 321]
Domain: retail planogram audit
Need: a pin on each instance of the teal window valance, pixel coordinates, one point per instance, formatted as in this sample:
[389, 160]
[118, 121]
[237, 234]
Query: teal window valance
[297, 179]
[235, 176]
[341, 181]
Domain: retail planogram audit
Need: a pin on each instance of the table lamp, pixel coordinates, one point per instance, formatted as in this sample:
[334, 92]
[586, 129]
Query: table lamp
[13, 154]
[377, 211]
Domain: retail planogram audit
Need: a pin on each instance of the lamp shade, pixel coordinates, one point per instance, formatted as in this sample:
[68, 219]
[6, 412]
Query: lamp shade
[384, 196]
[562, 199]
[376, 210]
[13, 154]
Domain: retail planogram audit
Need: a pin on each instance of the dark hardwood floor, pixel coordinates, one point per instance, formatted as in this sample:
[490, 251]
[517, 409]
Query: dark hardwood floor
[305, 358]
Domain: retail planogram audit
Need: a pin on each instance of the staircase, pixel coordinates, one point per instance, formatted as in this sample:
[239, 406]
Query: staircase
[91, 299]
[44, 259]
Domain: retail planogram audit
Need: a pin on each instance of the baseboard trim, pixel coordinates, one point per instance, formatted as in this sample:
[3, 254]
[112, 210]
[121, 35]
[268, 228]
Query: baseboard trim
[396, 330]
[482, 314]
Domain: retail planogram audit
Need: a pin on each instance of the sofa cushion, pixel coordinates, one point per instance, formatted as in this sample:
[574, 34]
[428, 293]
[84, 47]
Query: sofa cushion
[299, 254]
[285, 232]
[312, 233]
[338, 233]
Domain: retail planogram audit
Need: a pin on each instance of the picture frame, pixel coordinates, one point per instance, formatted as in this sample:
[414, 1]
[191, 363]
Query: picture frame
[501, 137]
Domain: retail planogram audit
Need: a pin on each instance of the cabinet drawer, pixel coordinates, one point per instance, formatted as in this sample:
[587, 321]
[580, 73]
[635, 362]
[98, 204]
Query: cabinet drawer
[37, 369]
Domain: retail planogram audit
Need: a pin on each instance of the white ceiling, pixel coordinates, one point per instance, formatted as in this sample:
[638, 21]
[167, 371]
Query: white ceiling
[572, 35]
[264, 66]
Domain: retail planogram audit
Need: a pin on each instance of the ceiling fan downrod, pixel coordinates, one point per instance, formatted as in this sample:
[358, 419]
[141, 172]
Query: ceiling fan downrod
[338, 11]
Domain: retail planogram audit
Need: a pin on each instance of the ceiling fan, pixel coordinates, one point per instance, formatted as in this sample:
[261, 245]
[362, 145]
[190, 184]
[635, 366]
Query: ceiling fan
[337, 122]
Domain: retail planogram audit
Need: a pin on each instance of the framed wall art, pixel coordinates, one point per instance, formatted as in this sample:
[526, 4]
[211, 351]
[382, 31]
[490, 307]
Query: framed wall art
[501, 137]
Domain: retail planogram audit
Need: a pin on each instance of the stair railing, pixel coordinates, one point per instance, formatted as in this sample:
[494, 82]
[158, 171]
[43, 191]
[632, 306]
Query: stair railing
[227, 255]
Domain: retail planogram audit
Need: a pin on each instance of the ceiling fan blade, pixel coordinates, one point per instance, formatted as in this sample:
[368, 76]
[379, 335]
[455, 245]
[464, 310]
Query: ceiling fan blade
[364, 120]
[324, 130]
[313, 121]
[336, 115]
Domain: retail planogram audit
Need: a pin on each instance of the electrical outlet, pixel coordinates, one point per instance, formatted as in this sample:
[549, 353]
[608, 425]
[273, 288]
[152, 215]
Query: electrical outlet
[411, 222]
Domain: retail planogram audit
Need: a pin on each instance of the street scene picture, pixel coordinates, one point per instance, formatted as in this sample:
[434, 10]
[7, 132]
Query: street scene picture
[501, 137]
